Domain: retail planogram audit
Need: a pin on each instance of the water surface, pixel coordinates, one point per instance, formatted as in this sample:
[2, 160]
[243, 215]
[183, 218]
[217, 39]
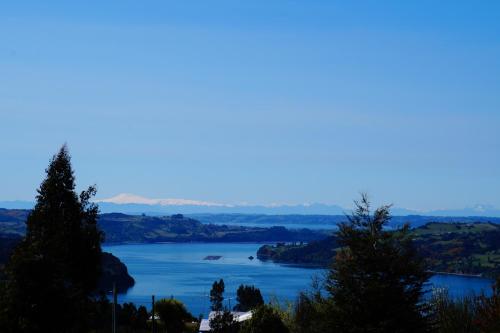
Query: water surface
[178, 270]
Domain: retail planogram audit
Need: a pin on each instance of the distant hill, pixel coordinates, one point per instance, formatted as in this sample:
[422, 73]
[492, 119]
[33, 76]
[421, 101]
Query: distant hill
[462, 248]
[123, 228]
[120, 228]
[12, 221]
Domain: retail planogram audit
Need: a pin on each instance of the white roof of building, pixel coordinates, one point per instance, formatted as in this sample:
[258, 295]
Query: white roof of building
[237, 316]
[204, 325]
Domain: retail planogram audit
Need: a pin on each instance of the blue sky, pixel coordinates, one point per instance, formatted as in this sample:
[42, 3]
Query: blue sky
[257, 101]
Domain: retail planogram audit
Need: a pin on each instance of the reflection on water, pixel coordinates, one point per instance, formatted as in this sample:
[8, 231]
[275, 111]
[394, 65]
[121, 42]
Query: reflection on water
[178, 270]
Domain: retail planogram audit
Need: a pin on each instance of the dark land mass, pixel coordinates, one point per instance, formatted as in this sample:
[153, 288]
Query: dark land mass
[123, 228]
[12, 221]
[179, 228]
[458, 248]
[113, 270]
[7, 243]
[11, 233]
[120, 228]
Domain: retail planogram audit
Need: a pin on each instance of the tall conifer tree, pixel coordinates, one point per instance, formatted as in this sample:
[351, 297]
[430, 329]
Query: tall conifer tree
[248, 298]
[222, 320]
[54, 270]
[377, 279]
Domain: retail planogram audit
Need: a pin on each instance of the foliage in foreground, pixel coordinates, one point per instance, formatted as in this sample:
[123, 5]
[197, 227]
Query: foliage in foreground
[129, 317]
[376, 282]
[248, 298]
[223, 321]
[469, 314]
[173, 315]
[376, 285]
[265, 319]
[53, 271]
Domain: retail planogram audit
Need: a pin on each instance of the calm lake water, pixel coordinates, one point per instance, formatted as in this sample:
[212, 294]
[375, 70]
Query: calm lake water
[178, 270]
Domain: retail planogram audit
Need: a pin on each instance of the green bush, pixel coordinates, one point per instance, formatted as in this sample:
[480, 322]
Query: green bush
[264, 319]
[173, 315]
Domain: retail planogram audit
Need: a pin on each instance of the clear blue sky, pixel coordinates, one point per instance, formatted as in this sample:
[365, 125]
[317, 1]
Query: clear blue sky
[256, 101]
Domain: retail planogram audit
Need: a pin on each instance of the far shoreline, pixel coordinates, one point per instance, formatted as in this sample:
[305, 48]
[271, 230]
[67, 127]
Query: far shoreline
[479, 276]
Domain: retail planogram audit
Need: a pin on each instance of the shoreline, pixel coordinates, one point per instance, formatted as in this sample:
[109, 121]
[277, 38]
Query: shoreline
[480, 276]
[194, 242]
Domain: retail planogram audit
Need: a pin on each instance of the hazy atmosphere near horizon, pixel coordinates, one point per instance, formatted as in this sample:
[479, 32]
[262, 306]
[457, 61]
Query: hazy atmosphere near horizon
[258, 102]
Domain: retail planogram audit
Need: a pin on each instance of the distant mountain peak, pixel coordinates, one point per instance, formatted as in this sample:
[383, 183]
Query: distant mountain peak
[482, 207]
[136, 204]
[127, 198]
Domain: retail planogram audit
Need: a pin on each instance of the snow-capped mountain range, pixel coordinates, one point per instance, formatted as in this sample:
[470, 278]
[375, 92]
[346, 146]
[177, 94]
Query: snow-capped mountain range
[135, 204]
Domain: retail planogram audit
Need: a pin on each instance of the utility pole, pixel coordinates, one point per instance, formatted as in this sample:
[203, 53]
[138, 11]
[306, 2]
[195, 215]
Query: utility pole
[114, 308]
[229, 301]
[153, 323]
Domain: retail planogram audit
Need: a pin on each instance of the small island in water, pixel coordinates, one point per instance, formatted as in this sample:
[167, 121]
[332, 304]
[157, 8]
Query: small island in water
[212, 257]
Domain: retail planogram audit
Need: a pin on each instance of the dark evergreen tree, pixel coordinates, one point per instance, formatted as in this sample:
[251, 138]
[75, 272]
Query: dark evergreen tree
[377, 279]
[222, 320]
[173, 315]
[248, 298]
[217, 295]
[53, 271]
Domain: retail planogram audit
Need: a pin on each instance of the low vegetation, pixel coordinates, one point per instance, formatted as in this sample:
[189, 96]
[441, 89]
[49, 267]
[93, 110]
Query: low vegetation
[173, 315]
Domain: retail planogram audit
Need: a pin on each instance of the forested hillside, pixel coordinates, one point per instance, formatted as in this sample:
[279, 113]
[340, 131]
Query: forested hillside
[462, 248]
[122, 228]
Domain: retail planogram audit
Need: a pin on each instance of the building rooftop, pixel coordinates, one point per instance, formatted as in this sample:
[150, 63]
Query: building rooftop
[238, 317]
